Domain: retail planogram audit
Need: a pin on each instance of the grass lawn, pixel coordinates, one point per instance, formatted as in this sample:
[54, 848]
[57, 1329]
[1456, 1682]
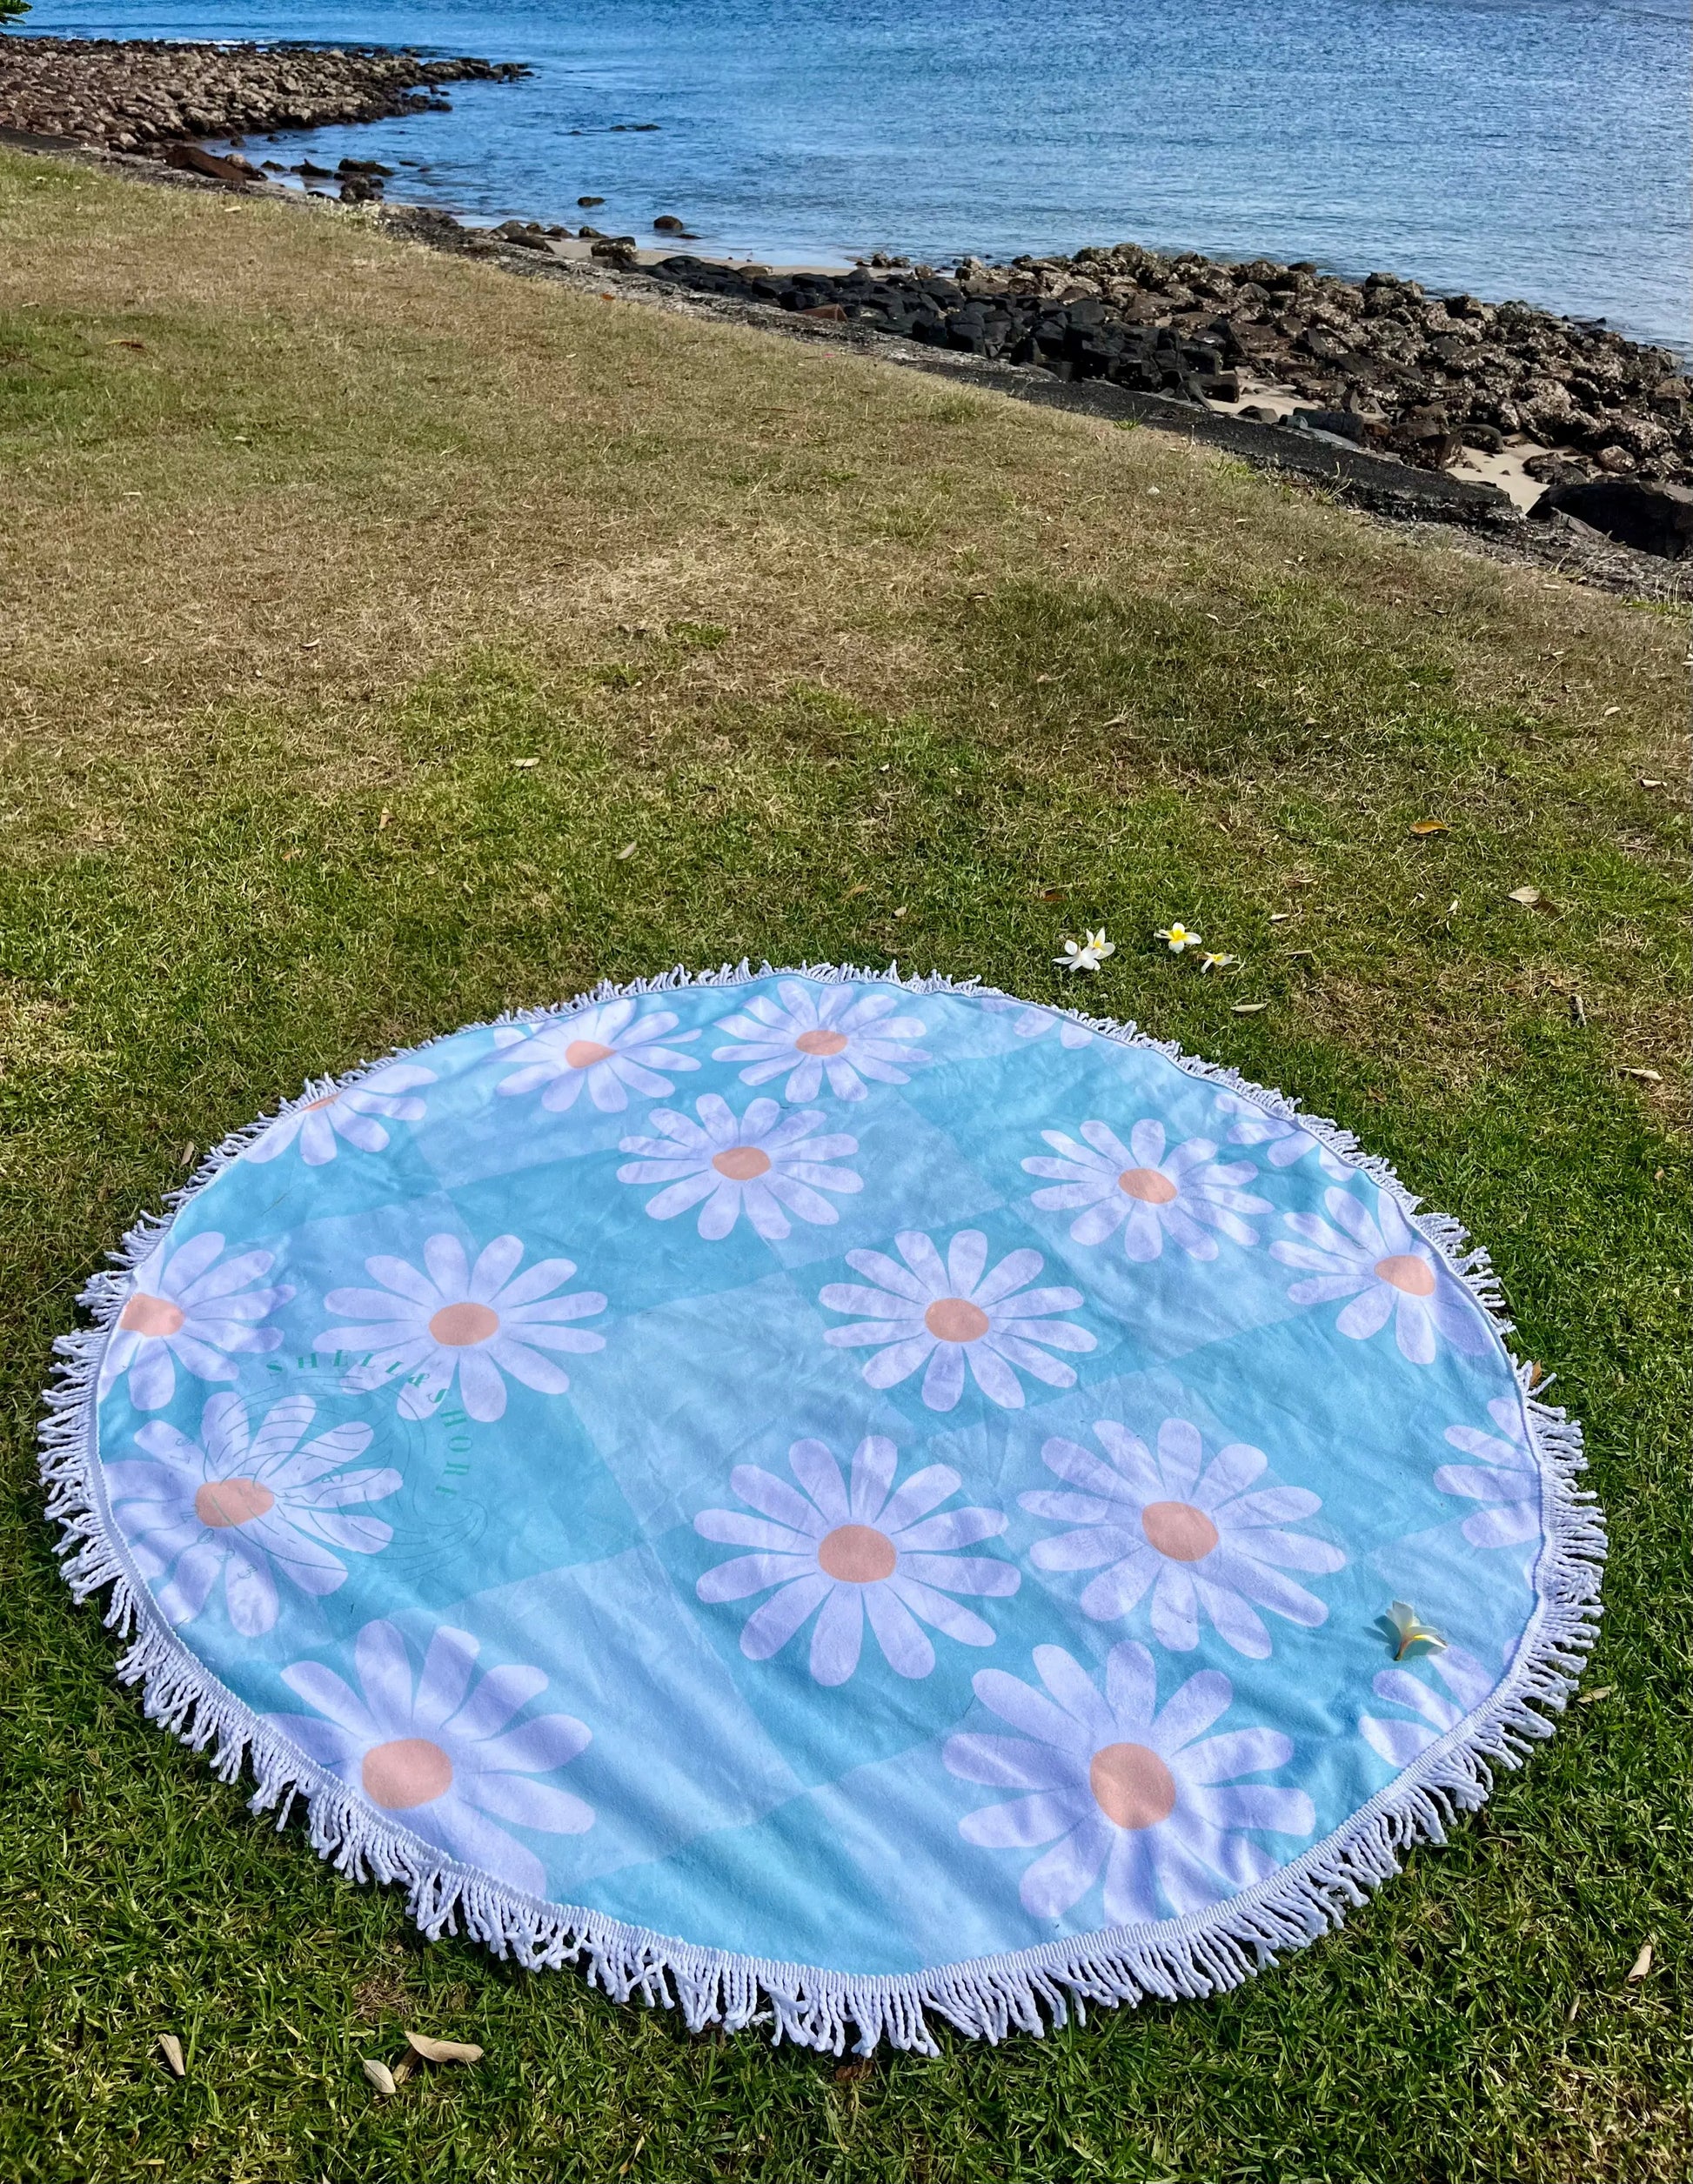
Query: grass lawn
[308, 542]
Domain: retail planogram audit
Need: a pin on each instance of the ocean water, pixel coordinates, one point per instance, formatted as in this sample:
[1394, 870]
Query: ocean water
[1513, 147]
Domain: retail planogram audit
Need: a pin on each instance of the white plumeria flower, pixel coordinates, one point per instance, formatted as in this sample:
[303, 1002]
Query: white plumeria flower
[1121, 1788]
[1089, 955]
[1510, 1478]
[439, 1757]
[186, 1309]
[1184, 1192]
[840, 1032]
[1189, 1532]
[1033, 1022]
[1283, 1141]
[1216, 962]
[1385, 1266]
[1176, 937]
[356, 1113]
[873, 1550]
[476, 1322]
[943, 1312]
[756, 1164]
[247, 1507]
[608, 1050]
[1399, 1741]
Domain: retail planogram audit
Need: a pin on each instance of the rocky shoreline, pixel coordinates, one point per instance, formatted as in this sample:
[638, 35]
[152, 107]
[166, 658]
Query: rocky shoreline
[1379, 363]
[1378, 367]
[140, 95]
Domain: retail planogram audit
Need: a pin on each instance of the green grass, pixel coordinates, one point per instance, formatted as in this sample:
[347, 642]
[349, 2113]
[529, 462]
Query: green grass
[861, 670]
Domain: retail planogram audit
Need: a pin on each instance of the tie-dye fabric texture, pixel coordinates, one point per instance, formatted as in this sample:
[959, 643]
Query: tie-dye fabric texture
[789, 1488]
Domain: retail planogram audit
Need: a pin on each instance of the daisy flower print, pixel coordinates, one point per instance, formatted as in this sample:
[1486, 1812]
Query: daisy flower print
[764, 1164]
[936, 1313]
[808, 1034]
[1281, 1141]
[1382, 1267]
[606, 1052]
[1398, 1740]
[359, 1113]
[846, 1552]
[1136, 1800]
[436, 1753]
[1203, 1540]
[1505, 1476]
[1147, 1189]
[427, 1326]
[247, 1507]
[1033, 1023]
[190, 1307]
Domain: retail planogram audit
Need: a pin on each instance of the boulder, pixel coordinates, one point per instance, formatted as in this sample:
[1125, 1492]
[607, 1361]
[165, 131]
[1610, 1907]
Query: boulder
[1653, 518]
[668, 223]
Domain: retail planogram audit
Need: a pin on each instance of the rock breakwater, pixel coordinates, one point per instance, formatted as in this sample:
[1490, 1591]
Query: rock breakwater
[140, 96]
[1379, 362]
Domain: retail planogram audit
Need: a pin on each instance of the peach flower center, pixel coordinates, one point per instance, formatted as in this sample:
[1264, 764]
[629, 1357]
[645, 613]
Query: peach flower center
[146, 1315]
[956, 1319]
[820, 1042]
[223, 1502]
[857, 1554]
[409, 1771]
[456, 1327]
[1131, 1785]
[1150, 1186]
[1406, 1271]
[582, 1053]
[1180, 1531]
[741, 1164]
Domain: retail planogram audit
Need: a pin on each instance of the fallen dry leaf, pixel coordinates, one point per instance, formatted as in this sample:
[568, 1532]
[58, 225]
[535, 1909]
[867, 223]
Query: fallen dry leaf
[188, 1152]
[1592, 1697]
[862, 888]
[1650, 1076]
[1646, 782]
[856, 2066]
[900, 911]
[626, 853]
[459, 2051]
[1608, 711]
[1431, 827]
[170, 2048]
[387, 819]
[379, 2075]
[1054, 894]
[405, 2067]
[1117, 720]
[523, 765]
[1280, 916]
[1642, 1963]
[1526, 896]
[1248, 1008]
[126, 345]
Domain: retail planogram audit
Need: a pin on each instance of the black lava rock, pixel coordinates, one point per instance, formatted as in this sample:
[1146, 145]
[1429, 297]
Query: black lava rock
[1654, 519]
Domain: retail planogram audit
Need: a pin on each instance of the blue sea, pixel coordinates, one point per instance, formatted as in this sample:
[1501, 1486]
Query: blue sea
[1513, 147]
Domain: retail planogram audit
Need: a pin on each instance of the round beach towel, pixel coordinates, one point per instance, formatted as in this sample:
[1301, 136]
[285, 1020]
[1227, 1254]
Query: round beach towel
[828, 1500]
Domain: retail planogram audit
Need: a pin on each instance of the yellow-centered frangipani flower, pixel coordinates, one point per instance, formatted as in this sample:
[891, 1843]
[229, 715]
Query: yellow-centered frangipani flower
[1217, 962]
[1089, 955]
[1412, 1631]
[1178, 937]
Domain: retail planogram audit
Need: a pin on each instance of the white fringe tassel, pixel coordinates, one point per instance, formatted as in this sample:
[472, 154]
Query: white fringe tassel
[1200, 1955]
